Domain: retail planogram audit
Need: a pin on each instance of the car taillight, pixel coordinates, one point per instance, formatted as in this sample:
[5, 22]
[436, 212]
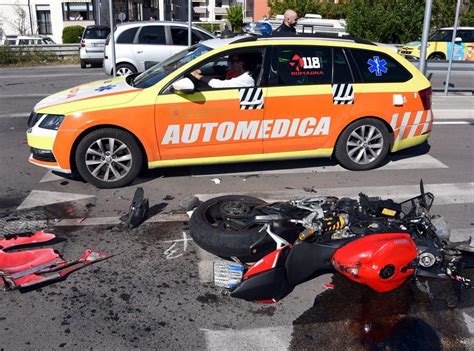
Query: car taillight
[83, 44]
[425, 96]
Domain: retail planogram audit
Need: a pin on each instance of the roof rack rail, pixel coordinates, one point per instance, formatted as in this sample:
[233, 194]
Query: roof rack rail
[250, 37]
[321, 35]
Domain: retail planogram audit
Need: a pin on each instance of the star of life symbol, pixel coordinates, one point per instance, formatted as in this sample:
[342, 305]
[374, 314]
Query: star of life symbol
[105, 87]
[378, 66]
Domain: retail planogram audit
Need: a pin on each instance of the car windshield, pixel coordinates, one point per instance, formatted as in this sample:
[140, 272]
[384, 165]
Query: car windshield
[156, 73]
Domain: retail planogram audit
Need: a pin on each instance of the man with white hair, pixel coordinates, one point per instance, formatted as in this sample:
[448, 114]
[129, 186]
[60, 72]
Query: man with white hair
[289, 22]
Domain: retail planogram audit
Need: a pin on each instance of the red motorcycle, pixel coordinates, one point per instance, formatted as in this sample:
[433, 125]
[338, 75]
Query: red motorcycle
[375, 242]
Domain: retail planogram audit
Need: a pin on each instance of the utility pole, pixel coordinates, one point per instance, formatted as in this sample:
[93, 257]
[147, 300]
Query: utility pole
[424, 38]
[190, 17]
[112, 36]
[453, 44]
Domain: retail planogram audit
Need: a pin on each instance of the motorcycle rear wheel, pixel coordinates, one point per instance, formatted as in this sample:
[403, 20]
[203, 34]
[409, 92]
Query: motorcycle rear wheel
[210, 230]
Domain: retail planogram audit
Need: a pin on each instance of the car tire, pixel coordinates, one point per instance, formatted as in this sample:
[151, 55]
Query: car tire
[437, 56]
[363, 145]
[125, 69]
[209, 233]
[109, 158]
[83, 64]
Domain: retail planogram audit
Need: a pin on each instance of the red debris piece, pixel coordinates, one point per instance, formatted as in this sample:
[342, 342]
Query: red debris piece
[329, 286]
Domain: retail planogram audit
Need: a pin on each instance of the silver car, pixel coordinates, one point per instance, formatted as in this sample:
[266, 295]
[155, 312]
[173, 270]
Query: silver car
[140, 45]
[92, 45]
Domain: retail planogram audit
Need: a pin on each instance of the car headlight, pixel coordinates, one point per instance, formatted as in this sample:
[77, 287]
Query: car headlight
[51, 122]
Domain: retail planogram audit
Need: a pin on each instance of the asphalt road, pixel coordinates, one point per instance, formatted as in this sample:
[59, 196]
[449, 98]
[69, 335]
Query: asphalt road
[156, 291]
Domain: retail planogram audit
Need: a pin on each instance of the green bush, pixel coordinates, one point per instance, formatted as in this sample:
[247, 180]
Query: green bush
[72, 34]
[235, 17]
[210, 27]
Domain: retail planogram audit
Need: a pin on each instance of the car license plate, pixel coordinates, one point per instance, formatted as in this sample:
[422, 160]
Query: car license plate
[227, 275]
[99, 45]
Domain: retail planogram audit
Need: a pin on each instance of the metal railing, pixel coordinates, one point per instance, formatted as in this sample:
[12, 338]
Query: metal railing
[60, 50]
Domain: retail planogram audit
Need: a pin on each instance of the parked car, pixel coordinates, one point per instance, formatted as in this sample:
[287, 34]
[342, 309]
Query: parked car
[140, 45]
[28, 40]
[303, 97]
[93, 40]
[439, 45]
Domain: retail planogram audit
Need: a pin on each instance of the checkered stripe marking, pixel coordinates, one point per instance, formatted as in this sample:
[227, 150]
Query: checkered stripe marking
[342, 94]
[251, 98]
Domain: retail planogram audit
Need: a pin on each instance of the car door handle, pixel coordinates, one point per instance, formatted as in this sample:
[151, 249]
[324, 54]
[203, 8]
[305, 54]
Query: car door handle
[139, 52]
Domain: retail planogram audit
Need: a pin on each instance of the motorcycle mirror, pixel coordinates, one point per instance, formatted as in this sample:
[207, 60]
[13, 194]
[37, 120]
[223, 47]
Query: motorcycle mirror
[422, 192]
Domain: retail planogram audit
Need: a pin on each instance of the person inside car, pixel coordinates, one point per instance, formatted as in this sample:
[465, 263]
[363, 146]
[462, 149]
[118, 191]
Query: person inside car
[289, 22]
[238, 75]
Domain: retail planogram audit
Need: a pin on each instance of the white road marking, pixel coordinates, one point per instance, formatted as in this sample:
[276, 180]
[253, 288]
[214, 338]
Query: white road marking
[15, 115]
[50, 177]
[469, 322]
[206, 265]
[22, 95]
[445, 123]
[416, 162]
[272, 338]
[49, 75]
[44, 198]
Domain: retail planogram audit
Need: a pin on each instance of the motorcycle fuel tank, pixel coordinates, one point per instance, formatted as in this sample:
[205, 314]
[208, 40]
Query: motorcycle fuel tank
[380, 261]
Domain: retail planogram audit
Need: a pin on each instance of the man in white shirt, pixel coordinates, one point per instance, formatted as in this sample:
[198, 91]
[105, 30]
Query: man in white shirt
[240, 76]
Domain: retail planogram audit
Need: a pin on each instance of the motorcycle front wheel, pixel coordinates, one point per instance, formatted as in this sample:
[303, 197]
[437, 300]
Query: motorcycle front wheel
[221, 226]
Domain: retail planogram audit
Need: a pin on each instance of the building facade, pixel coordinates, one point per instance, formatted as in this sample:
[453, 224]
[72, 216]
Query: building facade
[44, 17]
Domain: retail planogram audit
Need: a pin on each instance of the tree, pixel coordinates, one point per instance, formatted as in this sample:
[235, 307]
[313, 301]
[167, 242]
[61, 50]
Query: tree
[235, 17]
[20, 20]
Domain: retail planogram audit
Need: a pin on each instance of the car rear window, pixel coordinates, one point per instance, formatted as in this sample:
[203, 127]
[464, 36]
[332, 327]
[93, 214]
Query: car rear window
[152, 35]
[301, 65]
[96, 33]
[127, 36]
[377, 67]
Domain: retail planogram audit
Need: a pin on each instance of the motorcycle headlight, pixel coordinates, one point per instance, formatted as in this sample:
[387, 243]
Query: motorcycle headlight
[51, 122]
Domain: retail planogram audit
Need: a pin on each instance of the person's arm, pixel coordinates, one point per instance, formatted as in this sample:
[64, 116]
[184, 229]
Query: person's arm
[244, 80]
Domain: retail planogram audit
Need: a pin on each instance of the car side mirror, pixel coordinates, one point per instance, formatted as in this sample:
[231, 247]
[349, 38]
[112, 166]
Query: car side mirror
[458, 40]
[183, 86]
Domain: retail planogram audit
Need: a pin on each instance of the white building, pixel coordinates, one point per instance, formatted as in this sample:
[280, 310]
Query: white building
[216, 10]
[44, 17]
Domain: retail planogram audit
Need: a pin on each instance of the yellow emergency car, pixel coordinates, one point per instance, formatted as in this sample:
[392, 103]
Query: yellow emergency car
[310, 97]
[440, 45]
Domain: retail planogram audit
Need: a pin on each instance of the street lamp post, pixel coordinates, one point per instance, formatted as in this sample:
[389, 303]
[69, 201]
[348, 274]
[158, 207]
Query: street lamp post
[112, 37]
[453, 43]
[189, 23]
[424, 38]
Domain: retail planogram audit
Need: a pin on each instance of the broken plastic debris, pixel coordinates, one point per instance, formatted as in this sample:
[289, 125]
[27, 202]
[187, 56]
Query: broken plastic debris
[329, 286]
[138, 209]
[216, 180]
[309, 190]
[189, 202]
[80, 220]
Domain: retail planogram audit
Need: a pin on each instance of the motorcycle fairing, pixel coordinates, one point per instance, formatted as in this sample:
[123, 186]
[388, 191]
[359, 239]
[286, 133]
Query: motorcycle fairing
[27, 238]
[266, 281]
[381, 261]
[51, 271]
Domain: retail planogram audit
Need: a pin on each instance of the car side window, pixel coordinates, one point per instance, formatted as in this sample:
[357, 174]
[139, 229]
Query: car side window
[152, 35]
[23, 42]
[465, 35]
[341, 70]
[127, 36]
[301, 65]
[180, 36]
[377, 67]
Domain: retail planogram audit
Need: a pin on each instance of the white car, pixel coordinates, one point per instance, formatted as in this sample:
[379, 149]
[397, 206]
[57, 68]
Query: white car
[92, 45]
[27, 40]
[140, 45]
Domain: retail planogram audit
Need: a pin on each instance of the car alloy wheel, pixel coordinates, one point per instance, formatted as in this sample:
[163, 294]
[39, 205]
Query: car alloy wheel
[109, 159]
[364, 144]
